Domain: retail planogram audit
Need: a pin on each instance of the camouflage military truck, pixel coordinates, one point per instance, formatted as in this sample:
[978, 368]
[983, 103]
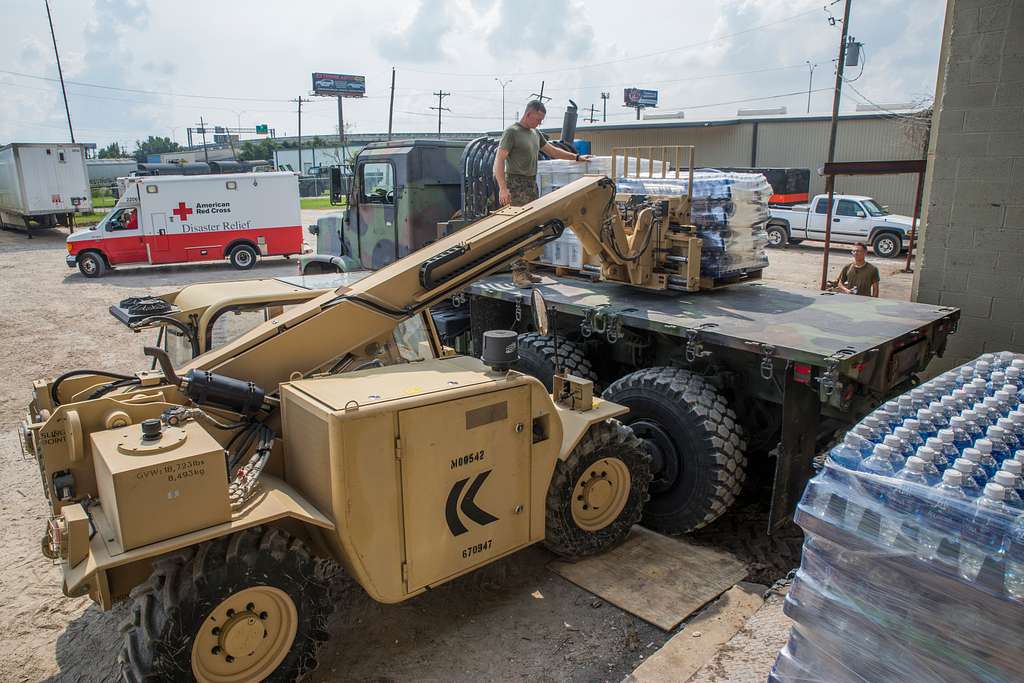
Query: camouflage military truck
[752, 379]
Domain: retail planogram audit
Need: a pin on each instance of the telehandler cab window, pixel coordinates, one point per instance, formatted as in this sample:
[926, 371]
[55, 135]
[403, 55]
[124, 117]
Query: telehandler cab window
[377, 183]
[413, 340]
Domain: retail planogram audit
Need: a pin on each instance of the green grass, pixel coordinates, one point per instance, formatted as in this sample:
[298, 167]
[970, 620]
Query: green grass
[102, 202]
[321, 202]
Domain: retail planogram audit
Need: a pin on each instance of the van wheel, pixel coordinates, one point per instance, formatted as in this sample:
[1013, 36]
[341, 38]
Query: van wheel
[777, 236]
[886, 245]
[242, 257]
[91, 264]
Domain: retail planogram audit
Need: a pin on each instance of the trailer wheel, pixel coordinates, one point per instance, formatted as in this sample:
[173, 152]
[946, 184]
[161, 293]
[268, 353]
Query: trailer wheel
[778, 236]
[91, 264]
[537, 358]
[696, 444]
[251, 606]
[597, 493]
[242, 257]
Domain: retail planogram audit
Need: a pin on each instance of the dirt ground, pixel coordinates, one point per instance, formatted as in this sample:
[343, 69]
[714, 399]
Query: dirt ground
[800, 265]
[487, 625]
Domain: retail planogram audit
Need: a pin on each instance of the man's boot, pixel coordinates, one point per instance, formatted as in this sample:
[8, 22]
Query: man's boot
[521, 275]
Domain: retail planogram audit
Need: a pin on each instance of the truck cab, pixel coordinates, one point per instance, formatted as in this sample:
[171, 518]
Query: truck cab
[855, 218]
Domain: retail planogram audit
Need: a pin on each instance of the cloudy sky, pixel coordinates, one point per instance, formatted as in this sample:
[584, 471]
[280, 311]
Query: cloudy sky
[137, 68]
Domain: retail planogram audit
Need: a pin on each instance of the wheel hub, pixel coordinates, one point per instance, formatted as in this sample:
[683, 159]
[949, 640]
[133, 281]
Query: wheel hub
[664, 459]
[245, 637]
[600, 494]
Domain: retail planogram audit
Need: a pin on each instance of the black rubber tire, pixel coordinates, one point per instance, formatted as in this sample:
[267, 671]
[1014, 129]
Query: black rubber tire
[697, 444]
[794, 242]
[537, 358]
[783, 236]
[319, 268]
[171, 606]
[91, 264]
[890, 238]
[562, 535]
[242, 257]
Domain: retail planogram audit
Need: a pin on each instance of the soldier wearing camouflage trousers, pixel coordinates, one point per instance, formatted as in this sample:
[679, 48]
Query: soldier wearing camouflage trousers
[515, 169]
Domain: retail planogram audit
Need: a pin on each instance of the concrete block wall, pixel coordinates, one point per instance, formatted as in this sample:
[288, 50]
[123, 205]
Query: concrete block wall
[972, 251]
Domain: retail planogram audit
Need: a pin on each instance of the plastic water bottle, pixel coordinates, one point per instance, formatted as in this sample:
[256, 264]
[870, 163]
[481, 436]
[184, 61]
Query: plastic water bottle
[904, 503]
[965, 376]
[961, 438]
[1016, 419]
[906, 407]
[930, 471]
[888, 418]
[987, 413]
[1008, 399]
[994, 409]
[1017, 363]
[969, 485]
[984, 532]
[986, 460]
[973, 455]
[851, 451]
[962, 399]
[1004, 358]
[945, 453]
[1010, 435]
[927, 427]
[918, 399]
[972, 426]
[878, 463]
[1019, 456]
[1010, 482]
[995, 382]
[909, 435]
[1000, 447]
[942, 517]
[1014, 577]
[975, 390]
[946, 407]
[900, 450]
[870, 429]
[938, 415]
[983, 366]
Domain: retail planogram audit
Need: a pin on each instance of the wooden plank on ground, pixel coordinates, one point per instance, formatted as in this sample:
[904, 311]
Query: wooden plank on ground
[694, 646]
[660, 579]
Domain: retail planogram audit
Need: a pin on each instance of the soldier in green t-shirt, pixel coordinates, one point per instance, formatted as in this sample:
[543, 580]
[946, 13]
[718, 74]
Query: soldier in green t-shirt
[859, 277]
[515, 168]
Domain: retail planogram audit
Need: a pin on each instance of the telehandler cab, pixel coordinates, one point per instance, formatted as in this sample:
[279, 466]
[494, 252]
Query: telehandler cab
[213, 494]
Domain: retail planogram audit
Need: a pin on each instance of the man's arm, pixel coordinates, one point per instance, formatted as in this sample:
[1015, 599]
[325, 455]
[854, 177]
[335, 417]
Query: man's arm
[841, 281]
[874, 289]
[559, 153]
[504, 198]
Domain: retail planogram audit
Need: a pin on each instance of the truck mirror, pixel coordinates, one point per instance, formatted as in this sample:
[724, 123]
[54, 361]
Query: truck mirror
[539, 308]
[861, 214]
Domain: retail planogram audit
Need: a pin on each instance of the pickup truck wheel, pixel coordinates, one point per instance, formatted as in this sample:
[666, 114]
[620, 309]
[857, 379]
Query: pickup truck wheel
[242, 257]
[597, 493]
[887, 245]
[91, 264]
[778, 236]
[696, 443]
[251, 606]
[537, 358]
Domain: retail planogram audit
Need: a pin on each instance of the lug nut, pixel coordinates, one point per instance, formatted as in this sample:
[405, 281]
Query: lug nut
[263, 616]
[229, 659]
[231, 613]
[216, 649]
[250, 607]
[216, 630]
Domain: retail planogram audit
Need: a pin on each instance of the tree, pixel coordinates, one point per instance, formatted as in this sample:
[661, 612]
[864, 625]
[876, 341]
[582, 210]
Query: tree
[154, 145]
[253, 150]
[112, 151]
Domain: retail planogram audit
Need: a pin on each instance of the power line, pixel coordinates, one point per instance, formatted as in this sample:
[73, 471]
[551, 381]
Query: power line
[440, 99]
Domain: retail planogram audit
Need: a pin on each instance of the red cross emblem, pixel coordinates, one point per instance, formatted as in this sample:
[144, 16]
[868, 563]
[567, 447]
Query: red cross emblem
[182, 211]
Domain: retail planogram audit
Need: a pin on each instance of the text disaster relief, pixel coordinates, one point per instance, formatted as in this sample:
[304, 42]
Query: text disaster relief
[178, 219]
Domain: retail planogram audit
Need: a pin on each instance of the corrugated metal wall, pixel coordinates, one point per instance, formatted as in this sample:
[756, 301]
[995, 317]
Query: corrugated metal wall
[801, 144]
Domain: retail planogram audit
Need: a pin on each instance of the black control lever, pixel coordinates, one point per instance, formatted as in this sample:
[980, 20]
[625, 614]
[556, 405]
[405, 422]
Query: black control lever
[165, 364]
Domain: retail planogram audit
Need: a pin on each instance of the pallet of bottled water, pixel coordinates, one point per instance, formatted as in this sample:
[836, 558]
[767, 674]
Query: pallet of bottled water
[913, 560]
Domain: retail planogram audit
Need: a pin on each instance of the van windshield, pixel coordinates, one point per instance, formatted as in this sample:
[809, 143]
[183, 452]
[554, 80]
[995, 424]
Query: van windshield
[872, 207]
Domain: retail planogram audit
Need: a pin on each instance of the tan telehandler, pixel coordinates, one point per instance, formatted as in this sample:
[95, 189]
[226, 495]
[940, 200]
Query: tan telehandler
[214, 494]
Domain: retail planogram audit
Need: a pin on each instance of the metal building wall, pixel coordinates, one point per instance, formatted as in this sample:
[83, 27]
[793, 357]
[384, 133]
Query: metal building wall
[716, 145]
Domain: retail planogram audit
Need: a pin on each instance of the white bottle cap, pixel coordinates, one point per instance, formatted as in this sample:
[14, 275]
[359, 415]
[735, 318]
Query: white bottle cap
[966, 371]
[912, 425]
[994, 491]
[904, 400]
[971, 454]
[1017, 363]
[914, 464]
[984, 446]
[925, 454]
[883, 451]
[984, 365]
[1005, 423]
[979, 383]
[903, 433]
[947, 402]
[1019, 456]
[1018, 417]
[994, 432]
[1003, 395]
[924, 414]
[946, 435]
[894, 442]
[960, 395]
[958, 421]
[934, 443]
[991, 402]
[892, 406]
[1013, 466]
[1005, 478]
[952, 477]
[970, 414]
[871, 421]
[998, 377]
[963, 465]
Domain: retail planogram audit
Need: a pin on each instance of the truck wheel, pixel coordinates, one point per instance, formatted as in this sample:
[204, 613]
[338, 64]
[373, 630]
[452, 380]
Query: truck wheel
[887, 245]
[696, 444]
[777, 236]
[91, 264]
[242, 257]
[537, 358]
[252, 606]
[597, 493]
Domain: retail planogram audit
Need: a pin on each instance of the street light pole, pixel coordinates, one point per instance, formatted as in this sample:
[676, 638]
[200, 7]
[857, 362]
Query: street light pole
[503, 84]
[604, 104]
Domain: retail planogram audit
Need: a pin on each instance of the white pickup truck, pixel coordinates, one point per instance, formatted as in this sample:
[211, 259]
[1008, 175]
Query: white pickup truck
[855, 218]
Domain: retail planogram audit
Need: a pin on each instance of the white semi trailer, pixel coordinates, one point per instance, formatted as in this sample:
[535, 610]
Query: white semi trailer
[42, 185]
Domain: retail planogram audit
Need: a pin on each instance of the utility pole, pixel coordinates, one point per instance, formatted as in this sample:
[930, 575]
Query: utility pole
[341, 127]
[202, 129]
[300, 101]
[591, 119]
[440, 98]
[810, 81]
[391, 107]
[830, 179]
[604, 114]
[539, 96]
[503, 84]
[60, 72]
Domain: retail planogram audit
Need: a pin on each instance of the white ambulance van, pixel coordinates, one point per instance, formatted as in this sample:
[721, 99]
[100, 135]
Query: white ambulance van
[182, 219]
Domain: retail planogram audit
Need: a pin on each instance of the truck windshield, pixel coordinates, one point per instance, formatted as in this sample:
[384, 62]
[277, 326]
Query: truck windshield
[872, 207]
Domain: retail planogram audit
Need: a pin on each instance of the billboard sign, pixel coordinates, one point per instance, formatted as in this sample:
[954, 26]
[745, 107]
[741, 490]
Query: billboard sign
[635, 97]
[339, 84]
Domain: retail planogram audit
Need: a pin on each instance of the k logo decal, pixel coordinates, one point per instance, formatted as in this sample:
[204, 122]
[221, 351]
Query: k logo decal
[468, 507]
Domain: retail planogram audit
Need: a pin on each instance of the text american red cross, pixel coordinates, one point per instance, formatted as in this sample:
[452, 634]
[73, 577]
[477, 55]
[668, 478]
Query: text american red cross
[182, 211]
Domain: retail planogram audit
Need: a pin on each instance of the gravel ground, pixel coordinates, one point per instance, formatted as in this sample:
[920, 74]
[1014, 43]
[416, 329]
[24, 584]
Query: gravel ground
[484, 626]
[800, 265]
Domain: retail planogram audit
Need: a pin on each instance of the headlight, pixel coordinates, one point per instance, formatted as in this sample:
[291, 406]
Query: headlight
[69, 247]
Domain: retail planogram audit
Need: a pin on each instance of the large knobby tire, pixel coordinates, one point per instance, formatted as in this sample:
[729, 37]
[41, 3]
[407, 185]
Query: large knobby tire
[887, 245]
[778, 236]
[242, 257]
[697, 446]
[283, 606]
[537, 358]
[597, 493]
[91, 264]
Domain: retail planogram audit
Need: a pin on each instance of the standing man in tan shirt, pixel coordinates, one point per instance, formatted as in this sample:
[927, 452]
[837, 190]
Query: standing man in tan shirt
[515, 168]
[860, 277]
